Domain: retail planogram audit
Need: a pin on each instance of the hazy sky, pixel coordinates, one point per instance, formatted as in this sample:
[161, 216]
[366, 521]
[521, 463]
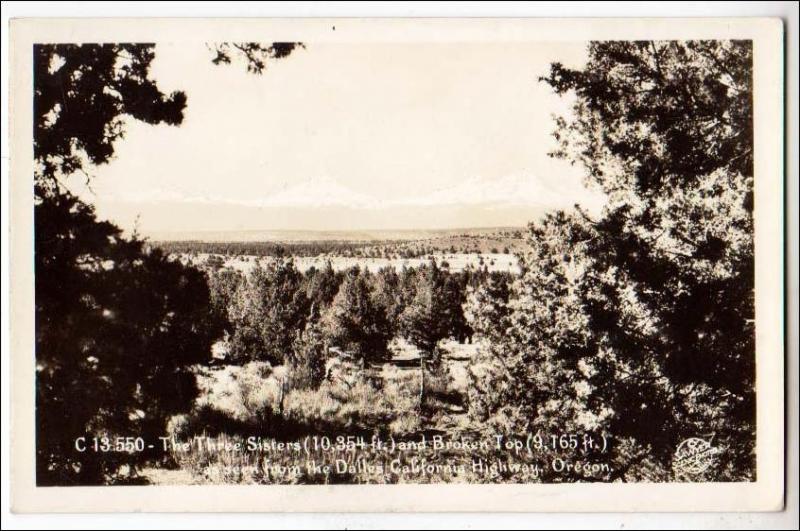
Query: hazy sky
[348, 136]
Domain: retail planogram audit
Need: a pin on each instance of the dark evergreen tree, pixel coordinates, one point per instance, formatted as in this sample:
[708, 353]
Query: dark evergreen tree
[269, 308]
[386, 294]
[223, 286]
[322, 286]
[118, 325]
[354, 322]
[307, 359]
[640, 322]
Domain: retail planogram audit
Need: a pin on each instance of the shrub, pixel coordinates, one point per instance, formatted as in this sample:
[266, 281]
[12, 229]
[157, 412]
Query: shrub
[250, 393]
[340, 405]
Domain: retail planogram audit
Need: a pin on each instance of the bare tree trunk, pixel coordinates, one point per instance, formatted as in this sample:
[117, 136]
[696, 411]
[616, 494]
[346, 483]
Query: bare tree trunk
[282, 395]
[422, 378]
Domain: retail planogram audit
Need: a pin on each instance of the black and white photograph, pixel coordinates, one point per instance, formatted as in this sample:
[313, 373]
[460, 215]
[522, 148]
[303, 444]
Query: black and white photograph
[346, 261]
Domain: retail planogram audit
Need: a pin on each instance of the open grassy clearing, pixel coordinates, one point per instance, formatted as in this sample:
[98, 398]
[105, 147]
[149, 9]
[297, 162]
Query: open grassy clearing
[456, 262]
[380, 400]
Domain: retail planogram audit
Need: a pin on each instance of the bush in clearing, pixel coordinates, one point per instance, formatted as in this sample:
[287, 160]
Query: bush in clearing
[259, 398]
[356, 407]
[248, 393]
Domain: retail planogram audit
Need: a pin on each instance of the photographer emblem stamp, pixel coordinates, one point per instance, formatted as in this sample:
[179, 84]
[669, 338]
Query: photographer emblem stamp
[693, 456]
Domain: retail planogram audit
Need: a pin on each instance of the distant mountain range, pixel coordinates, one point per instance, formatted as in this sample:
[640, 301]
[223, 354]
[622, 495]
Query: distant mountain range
[324, 204]
[517, 190]
[324, 192]
[319, 192]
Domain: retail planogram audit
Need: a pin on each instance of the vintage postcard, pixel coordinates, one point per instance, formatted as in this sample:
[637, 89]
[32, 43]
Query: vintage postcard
[397, 265]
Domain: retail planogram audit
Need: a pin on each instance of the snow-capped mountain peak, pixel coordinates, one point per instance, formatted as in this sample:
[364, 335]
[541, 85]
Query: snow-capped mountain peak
[514, 189]
[316, 192]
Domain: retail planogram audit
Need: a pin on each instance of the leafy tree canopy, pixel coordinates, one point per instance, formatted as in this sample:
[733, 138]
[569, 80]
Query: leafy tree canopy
[118, 325]
[640, 323]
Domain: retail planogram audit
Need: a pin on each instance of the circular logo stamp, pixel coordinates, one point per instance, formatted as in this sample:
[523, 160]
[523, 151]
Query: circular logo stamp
[693, 456]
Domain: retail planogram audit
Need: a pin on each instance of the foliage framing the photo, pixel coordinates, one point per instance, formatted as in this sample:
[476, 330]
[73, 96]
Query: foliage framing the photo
[117, 324]
[640, 323]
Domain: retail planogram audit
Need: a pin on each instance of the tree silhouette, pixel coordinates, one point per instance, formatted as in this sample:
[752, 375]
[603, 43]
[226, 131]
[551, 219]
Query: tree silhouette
[307, 358]
[354, 322]
[256, 55]
[486, 307]
[223, 285]
[118, 325]
[387, 296]
[640, 322]
[323, 285]
[117, 328]
[428, 318]
[268, 309]
[434, 312]
[97, 339]
[82, 94]
[455, 295]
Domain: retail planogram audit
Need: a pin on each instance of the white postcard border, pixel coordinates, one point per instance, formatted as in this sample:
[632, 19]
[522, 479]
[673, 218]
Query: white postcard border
[766, 493]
